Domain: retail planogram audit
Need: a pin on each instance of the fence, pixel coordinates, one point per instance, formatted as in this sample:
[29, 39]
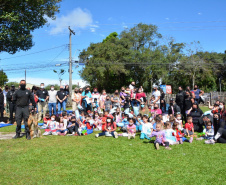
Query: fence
[212, 97]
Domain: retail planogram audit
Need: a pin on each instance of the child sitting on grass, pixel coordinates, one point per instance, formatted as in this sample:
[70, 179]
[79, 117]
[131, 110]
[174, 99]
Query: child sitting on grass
[169, 134]
[189, 129]
[109, 128]
[179, 121]
[46, 119]
[62, 127]
[51, 126]
[137, 123]
[131, 129]
[179, 136]
[147, 128]
[160, 137]
[209, 132]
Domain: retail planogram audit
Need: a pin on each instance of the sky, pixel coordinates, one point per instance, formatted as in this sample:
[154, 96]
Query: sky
[184, 20]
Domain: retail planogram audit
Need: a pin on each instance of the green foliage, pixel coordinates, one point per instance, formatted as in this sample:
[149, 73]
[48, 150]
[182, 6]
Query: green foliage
[56, 87]
[140, 54]
[16, 84]
[18, 18]
[105, 160]
[3, 78]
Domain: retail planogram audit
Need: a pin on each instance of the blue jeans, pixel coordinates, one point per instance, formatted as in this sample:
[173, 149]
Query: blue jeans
[103, 133]
[52, 106]
[61, 105]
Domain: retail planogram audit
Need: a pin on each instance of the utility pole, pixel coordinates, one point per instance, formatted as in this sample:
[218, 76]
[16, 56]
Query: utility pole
[70, 64]
[25, 76]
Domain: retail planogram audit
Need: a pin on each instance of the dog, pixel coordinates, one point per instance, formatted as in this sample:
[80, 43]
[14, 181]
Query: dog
[33, 124]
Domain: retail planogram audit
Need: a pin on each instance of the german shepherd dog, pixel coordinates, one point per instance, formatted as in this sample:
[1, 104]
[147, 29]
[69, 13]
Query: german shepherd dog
[33, 124]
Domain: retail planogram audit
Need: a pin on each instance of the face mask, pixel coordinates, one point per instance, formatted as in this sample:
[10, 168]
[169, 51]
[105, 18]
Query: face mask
[13, 88]
[61, 89]
[130, 123]
[139, 119]
[139, 91]
[123, 90]
[42, 87]
[155, 107]
[116, 93]
[125, 119]
[195, 88]
[107, 99]
[178, 118]
[52, 88]
[220, 106]
[171, 104]
[73, 121]
[215, 119]
[108, 120]
[195, 109]
[142, 105]
[53, 119]
[23, 86]
[80, 91]
[104, 93]
[76, 91]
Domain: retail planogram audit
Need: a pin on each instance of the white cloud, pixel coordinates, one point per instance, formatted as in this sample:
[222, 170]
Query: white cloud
[199, 13]
[92, 29]
[78, 18]
[167, 18]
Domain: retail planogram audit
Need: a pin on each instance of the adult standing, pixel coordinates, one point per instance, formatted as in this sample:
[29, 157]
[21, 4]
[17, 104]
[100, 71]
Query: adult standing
[61, 97]
[173, 108]
[115, 99]
[66, 89]
[87, 99]
[188, 102]
[196, 113]
[5, 92]
[180, 99]
[12, 104]
[103, 98]
[43, 97]
[157, 95]
[23, 98]
[2, 102]
[76, 99]
[140, 97]
[132, 86]
[198, 93]
[96, 95]
[52, 100]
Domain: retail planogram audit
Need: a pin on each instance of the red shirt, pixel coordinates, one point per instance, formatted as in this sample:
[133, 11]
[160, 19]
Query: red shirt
[45, 120]
[189, 126]
[113, 126]
[140, 95]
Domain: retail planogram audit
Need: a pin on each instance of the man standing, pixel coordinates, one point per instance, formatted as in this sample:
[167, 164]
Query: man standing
[42, 101]
[173, 108]
[2, 103]
[198, 93]
[180, 96]
[52, 100]
[157, 95]
[23, 98]
[61, 97]
[87, 99]
[12, 104]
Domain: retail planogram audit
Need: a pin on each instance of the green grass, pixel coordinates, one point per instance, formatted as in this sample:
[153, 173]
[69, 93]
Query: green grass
[89, 160]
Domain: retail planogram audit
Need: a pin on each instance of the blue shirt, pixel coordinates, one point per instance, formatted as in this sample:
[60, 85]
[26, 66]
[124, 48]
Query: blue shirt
[87, 94]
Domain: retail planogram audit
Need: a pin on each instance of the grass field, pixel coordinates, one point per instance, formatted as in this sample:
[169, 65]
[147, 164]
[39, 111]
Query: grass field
[89, 160]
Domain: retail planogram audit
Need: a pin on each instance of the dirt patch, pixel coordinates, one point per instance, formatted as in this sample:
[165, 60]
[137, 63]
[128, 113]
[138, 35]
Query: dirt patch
[9, 135]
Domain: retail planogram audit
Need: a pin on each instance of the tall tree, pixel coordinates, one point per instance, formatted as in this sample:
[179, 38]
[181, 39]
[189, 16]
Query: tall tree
[18, 18]
[3, 78]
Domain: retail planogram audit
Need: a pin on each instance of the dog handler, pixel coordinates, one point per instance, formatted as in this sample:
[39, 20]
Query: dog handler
[23, 97]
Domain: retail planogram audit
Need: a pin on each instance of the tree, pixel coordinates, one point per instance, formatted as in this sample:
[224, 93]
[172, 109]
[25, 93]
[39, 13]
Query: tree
[3, 78]
[16, 84]
[60, 74]
[18, 18]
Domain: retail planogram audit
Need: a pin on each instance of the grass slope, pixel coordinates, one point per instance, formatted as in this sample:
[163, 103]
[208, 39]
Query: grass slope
[89, 160]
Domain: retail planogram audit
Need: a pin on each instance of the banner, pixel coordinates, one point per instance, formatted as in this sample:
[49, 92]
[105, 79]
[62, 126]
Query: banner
[168, 89]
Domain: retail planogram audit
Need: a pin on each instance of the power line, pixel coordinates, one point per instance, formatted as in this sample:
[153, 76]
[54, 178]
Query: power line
[33, 53]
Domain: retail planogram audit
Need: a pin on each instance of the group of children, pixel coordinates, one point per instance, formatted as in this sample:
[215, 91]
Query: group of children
[117, 123]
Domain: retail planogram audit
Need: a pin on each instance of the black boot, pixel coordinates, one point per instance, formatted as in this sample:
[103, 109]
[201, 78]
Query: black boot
[28, 136]
[16, 136]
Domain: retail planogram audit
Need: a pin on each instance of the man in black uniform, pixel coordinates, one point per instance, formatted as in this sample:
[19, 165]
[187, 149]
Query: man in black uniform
[2, 103]
[12, 104]
[23, 97]
[180, 96]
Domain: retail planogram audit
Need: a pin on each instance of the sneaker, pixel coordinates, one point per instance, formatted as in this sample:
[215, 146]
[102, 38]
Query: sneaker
[210, 141]
[73, 133]
[97, 135]
[129, 136]
[190, 140]
[181, 141]
[157, 146]
[168, 148]
[116, 135]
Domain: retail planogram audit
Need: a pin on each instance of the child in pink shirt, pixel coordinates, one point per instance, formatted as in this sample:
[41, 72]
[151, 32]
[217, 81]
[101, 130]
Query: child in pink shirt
[131, 129]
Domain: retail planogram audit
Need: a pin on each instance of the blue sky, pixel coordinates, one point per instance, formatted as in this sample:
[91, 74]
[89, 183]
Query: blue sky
[185, 20]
